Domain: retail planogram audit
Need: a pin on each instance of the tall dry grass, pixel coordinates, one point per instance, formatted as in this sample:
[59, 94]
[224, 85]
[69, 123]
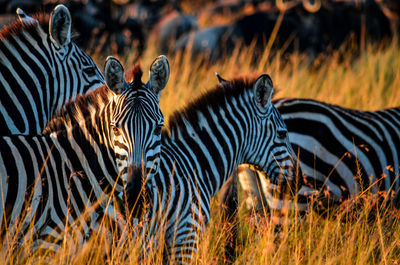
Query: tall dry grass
[359, 232]
[367, 82]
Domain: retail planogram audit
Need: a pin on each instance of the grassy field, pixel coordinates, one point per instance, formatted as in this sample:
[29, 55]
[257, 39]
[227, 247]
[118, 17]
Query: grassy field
[360, 232]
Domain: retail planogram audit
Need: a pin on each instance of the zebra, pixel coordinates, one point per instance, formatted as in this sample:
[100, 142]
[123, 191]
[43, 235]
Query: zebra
[40, 72]
[233, 124]
[342, 153]
[84, 158]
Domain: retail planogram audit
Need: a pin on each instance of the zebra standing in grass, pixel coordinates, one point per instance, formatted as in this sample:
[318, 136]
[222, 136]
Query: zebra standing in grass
[67, 177]
[342, 152]
[40, 72]
[233, 124]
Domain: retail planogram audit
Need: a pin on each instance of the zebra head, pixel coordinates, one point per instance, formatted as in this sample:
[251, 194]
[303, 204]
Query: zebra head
[41, 69]
[136, 118]
[273, 152]
[80, 65]
[269, 151]
[74, 70]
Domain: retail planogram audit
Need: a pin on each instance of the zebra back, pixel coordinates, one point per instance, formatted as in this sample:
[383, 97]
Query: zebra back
[348, 150]
[40, 70]
[342, 152]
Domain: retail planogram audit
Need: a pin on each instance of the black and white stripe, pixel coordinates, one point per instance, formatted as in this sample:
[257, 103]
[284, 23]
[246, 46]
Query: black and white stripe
[233, 124]
[40, 71]
[70, 173]
[342, 152]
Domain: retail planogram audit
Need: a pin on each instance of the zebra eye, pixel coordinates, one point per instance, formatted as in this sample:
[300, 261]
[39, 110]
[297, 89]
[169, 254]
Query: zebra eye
[90, 71]
[116, 131]
[282, 134]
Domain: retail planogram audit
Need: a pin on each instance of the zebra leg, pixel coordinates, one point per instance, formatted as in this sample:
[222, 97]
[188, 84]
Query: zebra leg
[252, 187]
[228, 201]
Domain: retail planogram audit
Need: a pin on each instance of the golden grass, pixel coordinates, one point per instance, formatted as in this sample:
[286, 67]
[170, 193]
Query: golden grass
[369, 82]
[360, 232]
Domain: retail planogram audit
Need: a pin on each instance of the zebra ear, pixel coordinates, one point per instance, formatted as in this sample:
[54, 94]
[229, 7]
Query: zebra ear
[263, 90]
[159, 74]
[24, 18]
[60, 26]
[114, 75]
[221, 80]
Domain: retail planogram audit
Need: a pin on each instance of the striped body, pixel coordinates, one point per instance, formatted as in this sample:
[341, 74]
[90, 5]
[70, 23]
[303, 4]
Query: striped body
[44, 184]
[40, 72]
[341, 151]
[71, 173]
[233, 124]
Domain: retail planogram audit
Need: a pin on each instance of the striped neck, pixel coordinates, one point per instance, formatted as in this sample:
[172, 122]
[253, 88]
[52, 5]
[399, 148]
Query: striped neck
[215, 141]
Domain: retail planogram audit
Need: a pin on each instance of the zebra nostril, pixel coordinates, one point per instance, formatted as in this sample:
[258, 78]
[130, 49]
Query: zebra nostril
[134, 184]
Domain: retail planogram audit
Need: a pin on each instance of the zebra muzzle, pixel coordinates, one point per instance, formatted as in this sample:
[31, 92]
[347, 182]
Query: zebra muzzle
[134, 185]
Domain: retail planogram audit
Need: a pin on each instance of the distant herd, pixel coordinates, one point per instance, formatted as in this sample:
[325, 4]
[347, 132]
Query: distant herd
[213, 30]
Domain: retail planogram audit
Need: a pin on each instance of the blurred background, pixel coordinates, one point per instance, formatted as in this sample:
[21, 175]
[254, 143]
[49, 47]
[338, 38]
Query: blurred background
[213, 29]
[339, 51]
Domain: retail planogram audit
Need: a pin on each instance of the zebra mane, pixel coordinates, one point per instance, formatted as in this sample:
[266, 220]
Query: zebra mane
[17, 27]
[134, 73]
[212, 98]
[82, 106]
